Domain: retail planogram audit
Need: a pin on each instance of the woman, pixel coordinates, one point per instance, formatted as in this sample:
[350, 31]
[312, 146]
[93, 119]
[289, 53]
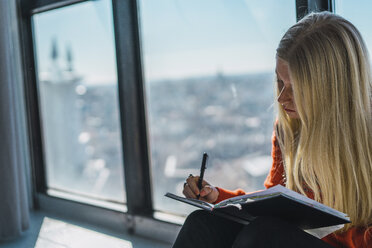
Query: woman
[322, 141]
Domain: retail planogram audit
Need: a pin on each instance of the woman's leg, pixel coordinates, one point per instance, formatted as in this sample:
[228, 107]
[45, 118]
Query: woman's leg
[268, 232]
[205, 230]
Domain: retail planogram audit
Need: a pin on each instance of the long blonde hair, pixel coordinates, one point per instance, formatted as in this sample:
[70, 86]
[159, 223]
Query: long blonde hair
[328, 148]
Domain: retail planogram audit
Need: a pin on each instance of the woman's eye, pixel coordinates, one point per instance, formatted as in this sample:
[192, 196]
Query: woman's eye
[280, 85]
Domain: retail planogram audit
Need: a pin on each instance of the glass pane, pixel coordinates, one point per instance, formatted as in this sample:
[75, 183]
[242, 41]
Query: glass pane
[209, 71]
[77, 84]
[358, 13]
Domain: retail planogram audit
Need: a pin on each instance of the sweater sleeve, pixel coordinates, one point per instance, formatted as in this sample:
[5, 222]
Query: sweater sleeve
[355, 237]
[225, 194]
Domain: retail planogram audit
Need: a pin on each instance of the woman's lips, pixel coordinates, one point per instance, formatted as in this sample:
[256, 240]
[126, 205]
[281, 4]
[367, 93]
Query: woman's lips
[289, 110]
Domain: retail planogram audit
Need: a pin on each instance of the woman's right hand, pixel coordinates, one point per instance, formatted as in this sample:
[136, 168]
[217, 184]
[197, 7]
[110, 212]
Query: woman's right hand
[208, 193]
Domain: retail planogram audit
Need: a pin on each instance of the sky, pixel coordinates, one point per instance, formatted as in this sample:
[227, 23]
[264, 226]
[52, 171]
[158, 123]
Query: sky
[179, 38]
[190, 38]
[359, 13]
[88, 29]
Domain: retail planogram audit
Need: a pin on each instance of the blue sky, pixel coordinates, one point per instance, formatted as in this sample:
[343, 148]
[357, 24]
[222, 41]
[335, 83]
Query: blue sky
[190, 38]
[88, 29]
[180, 38]
[359, 13]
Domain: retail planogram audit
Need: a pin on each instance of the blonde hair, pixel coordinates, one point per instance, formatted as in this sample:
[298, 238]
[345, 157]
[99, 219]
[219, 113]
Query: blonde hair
[328, 148]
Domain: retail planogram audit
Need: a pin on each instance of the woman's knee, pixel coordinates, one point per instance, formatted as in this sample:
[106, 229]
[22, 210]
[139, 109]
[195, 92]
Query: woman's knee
[204, 220]
[197, 219]
[197, 215]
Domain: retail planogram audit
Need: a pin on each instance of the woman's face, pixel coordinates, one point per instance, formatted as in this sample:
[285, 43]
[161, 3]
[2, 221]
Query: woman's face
[285, 97]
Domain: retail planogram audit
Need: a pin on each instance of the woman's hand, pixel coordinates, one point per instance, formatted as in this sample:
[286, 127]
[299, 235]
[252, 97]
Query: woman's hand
[208, 193]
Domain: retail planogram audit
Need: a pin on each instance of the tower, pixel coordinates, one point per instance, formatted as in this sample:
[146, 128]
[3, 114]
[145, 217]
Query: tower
[61, 119]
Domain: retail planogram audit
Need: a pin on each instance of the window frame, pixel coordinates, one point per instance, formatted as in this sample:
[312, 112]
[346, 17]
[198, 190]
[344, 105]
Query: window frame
[139, 217]
[132, 113]
[306, 6]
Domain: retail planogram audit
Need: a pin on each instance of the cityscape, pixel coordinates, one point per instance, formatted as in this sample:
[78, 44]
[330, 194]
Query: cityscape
[213, 94]
[228, 116]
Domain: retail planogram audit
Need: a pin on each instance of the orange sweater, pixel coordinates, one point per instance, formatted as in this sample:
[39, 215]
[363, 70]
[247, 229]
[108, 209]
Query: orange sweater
[353, 238]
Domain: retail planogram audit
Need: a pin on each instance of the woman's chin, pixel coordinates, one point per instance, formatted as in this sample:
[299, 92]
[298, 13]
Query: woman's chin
[292, 115]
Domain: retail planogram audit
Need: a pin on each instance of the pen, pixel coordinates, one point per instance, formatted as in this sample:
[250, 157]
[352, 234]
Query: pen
[202, 169]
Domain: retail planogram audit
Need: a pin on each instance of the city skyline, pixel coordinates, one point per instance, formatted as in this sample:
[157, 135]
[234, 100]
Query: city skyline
[177, 40]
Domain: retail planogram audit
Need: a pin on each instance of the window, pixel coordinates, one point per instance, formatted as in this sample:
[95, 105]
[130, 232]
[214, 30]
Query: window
[358, 14]
[209, 70]
[78, 97]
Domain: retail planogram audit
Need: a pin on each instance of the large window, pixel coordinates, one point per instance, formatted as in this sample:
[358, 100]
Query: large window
[209, 71]
[77, 86]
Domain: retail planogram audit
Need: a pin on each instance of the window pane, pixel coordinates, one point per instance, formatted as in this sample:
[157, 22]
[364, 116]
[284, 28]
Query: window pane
[78, 98]
[209, 70]
[358, 13]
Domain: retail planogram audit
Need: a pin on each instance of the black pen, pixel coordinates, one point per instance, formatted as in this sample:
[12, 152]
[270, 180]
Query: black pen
[202, 169]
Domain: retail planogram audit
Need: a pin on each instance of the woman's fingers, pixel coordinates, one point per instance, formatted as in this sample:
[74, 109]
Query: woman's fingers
[209, 194]
[192, 182]
[206, 191]
[187, 191]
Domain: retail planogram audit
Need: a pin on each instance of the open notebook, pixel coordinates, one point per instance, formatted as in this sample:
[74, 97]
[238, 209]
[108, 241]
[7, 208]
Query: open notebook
[277, 201]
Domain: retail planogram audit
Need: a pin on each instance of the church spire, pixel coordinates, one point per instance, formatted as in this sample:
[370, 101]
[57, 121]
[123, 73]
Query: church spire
[69, 58]
[54, 54]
